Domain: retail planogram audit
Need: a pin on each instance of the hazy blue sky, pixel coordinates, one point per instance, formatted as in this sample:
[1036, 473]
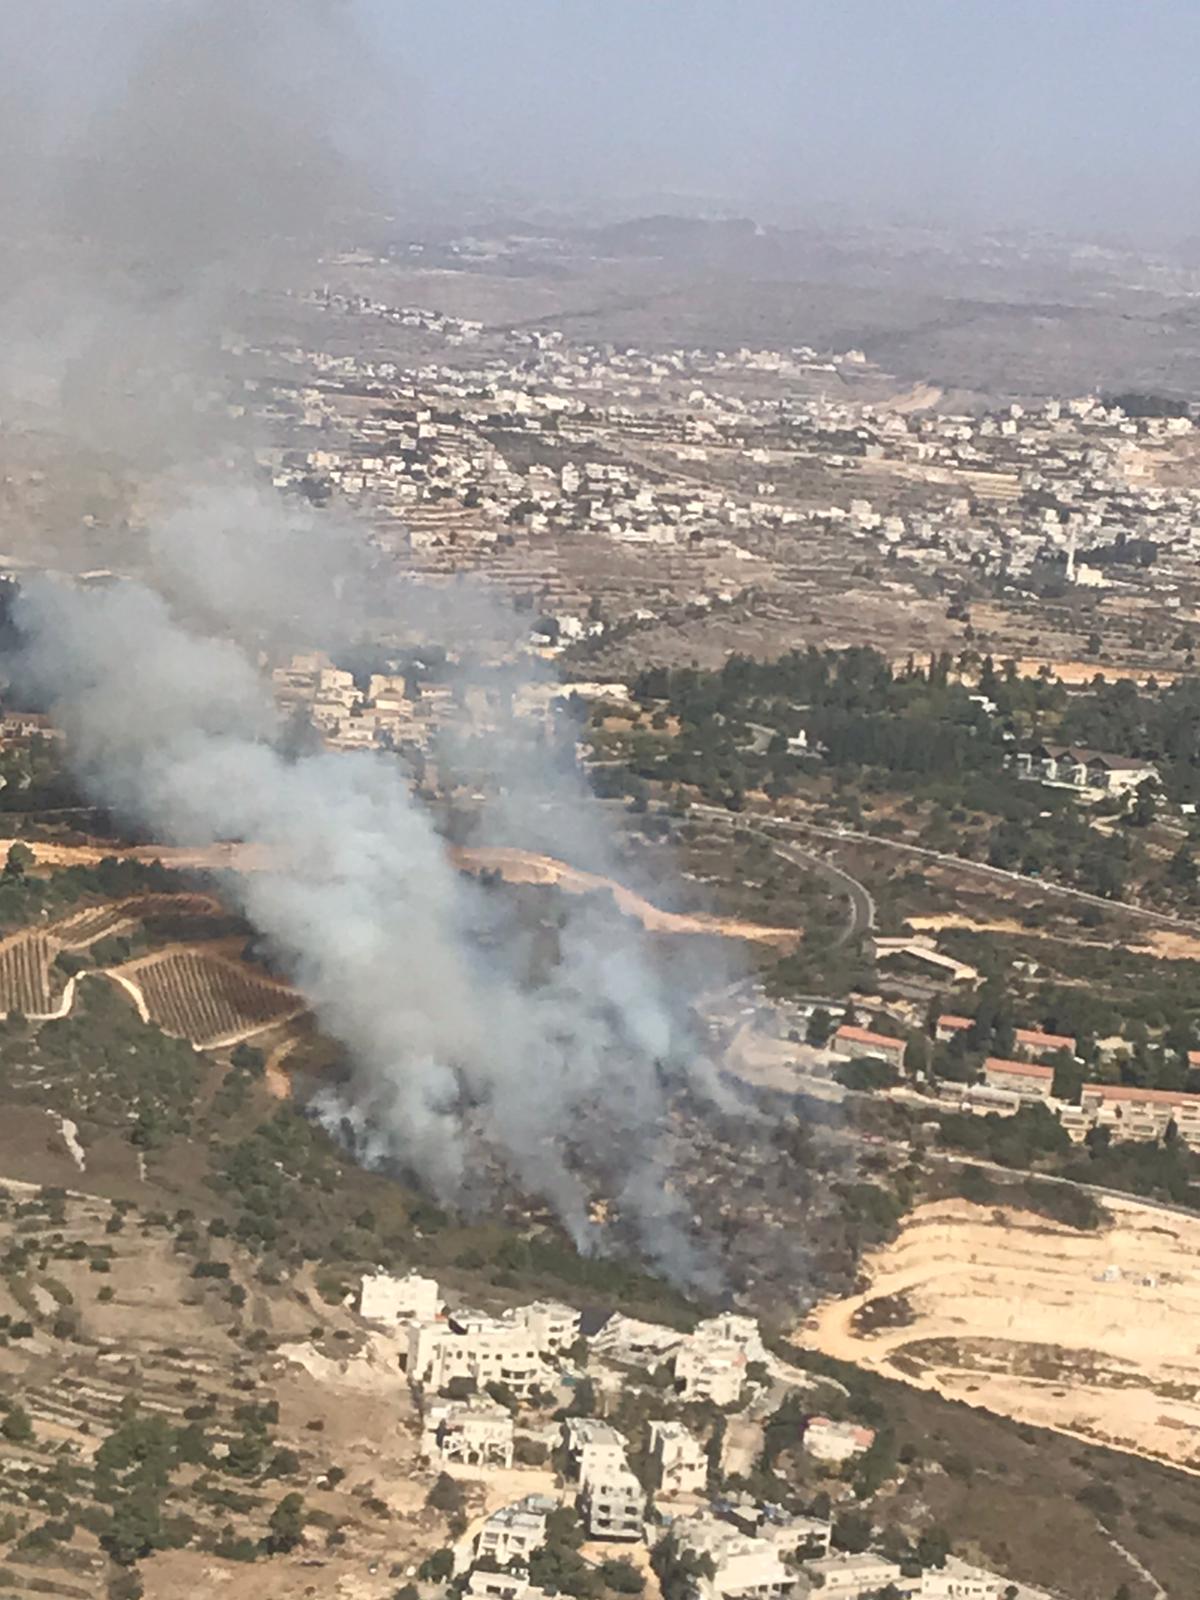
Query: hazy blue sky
[1082, 113]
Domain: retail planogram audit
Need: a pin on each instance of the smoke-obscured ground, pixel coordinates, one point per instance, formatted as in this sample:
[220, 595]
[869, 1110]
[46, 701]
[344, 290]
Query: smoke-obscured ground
[209, 148]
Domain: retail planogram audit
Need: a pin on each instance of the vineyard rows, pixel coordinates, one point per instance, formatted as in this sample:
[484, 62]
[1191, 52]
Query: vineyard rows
[83, 928]
[25, 974]
[207, 999]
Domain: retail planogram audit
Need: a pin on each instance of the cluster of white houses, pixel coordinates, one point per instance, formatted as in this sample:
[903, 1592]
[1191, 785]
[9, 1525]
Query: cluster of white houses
[754, 1552]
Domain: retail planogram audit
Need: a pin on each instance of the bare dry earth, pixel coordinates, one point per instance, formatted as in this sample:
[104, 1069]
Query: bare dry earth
[167, 1340]
[523, 866]
[1093, 1334]
[515, 866]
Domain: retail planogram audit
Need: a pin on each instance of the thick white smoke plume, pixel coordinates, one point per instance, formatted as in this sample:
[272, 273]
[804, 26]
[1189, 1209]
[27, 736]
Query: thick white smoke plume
[175, 730]
[204, 159]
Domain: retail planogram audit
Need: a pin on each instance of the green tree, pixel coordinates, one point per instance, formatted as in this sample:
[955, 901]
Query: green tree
[622, 1577]
[286, 1526]
[18, 860]
[1069, 1077]
[1142, 812]
[1181, 869]
[916, 1054]
[17, 1426]
[447, 1495]
[853, 1532]
[436, 1568]
[933, 1547]
[247, 1452]
[135, 1526]
[820, 1026]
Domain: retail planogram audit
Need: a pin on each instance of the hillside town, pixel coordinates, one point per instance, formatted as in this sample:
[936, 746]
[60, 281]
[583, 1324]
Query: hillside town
[663, 1495]
[527, 454]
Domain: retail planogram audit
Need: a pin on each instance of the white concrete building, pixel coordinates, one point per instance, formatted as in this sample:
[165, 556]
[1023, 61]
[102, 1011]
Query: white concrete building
[593, 1447]
[836, 1441]
[514, 1532]
[469, 1433]
[710, 1369]
[611, 1500]
[679, 1459]
[957, 1581]
[481, 1349]
[502, 1586]
[613, 1504]
[553, 1325]
[630, 1342]
[807, 1537]
[745, 1567]
[854, 1577]
[731, 1329]
[383, 1298]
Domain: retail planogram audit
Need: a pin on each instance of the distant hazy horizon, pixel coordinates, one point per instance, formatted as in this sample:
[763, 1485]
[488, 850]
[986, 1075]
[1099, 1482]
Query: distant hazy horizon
[1078, 116]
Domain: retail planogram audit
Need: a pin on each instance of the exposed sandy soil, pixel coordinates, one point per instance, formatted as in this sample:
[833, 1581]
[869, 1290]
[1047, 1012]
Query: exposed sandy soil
[934, 924]
[1170, 946]
[515, 866]
[1084, 671]
[1094, 1334]
[1164, 943]
[523, 866]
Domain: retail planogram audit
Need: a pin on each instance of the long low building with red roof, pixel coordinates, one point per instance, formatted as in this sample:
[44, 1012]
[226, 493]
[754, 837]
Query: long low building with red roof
[851, 1041]
[1132, 1113]
[1046, 1044]
[1031, 1041]
[949, 1027]
[1028, 1079]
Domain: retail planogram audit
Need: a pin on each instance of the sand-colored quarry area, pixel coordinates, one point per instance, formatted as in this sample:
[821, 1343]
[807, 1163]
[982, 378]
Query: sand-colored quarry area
[1094, 1334]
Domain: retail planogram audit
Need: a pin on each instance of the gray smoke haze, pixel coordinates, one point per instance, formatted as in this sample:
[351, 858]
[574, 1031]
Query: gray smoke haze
[173, 729]
[210, 142]
[165, 202]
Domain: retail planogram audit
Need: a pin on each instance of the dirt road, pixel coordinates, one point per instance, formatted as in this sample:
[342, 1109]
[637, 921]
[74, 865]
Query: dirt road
[514, 866]
[523, 866]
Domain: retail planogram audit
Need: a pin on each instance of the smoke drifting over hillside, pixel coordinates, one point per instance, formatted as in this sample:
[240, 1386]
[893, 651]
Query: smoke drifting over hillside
[181, 188]
[397, 951]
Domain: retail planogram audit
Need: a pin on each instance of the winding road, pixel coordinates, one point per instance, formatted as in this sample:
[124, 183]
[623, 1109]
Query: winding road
[767, 826]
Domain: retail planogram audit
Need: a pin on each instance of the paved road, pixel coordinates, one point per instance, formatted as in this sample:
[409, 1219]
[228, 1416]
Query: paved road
[862, 903]
[769, 825]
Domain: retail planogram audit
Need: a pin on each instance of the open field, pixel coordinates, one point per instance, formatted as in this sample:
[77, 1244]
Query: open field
[1091, 1334]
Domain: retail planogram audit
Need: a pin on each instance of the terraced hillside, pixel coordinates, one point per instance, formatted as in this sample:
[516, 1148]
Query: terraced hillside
[205, 997]
[25, 974]
[144, 1395]
[84, 928]
[1090, 1333]
[29, 982]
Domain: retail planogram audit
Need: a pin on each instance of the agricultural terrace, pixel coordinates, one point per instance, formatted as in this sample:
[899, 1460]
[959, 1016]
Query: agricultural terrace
[206, 997]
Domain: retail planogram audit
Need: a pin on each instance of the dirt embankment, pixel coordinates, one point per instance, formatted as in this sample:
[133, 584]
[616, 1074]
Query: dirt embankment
[523, 866]
[514, 866]
[1090, 1333]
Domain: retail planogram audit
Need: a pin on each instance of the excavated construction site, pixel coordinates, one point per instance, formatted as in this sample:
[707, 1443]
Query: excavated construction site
[1091, 1333]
